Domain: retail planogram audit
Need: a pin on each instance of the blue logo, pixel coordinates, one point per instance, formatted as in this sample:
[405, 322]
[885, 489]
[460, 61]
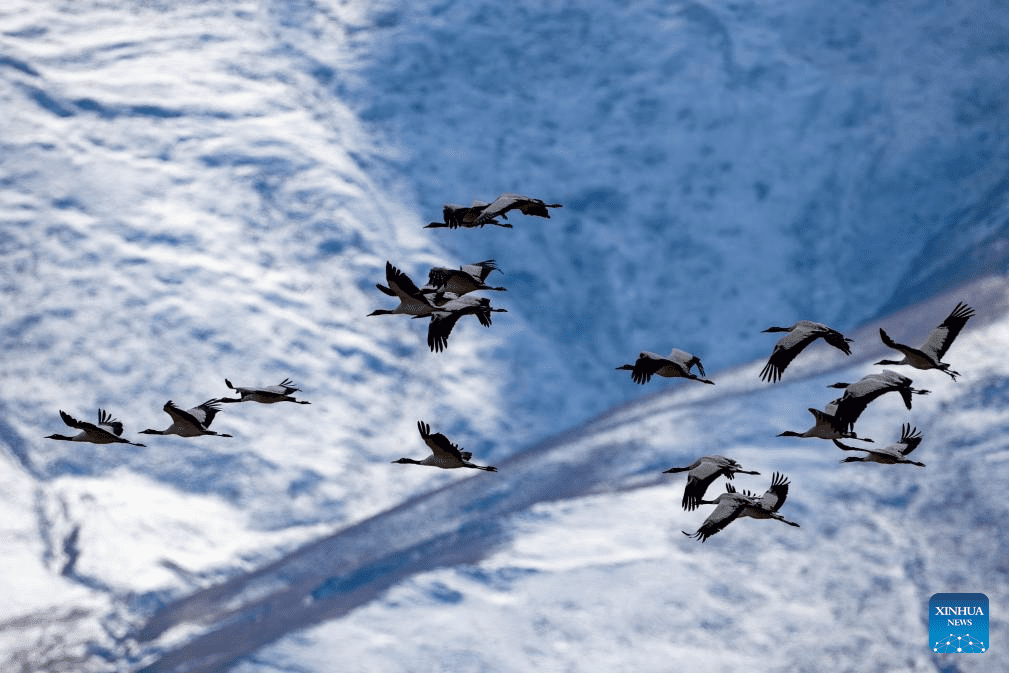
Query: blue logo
[958, 623]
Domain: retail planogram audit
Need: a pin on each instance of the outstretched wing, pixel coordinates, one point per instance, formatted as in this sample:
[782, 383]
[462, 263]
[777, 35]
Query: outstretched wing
[942, 336]
[439, 276]
[698, 480]
[481, 269]
[725, 513]
[784, 352]
[439, 443]
[837, 340]
[910, 438]
[645, 367]
[857, 396]
[82, 425]
[201, 416]
[400, 283]
[500, 206]
[285, 387]
[775, 496]
[440, 328]
[105, 418]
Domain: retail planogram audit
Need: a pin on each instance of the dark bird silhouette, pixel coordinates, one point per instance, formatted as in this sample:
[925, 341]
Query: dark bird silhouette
[891, 454]
[444, 318]
[676, 364]
[506, 202]
[189, 422]
[701, 473]
[929, 354]
[465, 217]
[444, 454]
[800, 335]
[266, 395]
[107, 431]
[732, 505]
[858, 395]
[467, 278]
[826, 426]
[412, 301]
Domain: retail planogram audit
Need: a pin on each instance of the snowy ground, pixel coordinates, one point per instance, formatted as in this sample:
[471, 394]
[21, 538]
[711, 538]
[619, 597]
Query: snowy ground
[194, 191]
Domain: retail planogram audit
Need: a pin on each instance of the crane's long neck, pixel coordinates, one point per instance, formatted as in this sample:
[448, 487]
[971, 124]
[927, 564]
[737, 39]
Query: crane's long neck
[777, 329]
[792, 433]
[62, 437]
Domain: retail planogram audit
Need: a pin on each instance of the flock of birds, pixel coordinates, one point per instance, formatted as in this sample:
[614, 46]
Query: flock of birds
[835, 421]
[446, 298]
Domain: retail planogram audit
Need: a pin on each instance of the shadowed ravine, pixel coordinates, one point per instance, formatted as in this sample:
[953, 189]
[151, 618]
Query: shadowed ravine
[464, 522]
[331, 577]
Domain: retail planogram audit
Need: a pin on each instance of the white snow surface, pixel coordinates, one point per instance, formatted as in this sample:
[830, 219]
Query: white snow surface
[197, 190]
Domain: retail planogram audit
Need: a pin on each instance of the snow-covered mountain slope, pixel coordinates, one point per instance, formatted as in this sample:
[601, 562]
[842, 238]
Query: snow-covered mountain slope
[194, 191]
[570, 558]
[724, 165]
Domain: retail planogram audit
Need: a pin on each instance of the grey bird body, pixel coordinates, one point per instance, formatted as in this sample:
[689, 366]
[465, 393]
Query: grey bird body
[800, 335]
[506, 202]
[467, 278]
[891, 454]
[701, 473]
[826, 426]
[444, 318]
[465, 217]
[265, 395]
[732, 505]
[106, 431]
[929, 354]
[857, 396]
[193, 422]
[444, 454]
[675, 365]
[412, 300]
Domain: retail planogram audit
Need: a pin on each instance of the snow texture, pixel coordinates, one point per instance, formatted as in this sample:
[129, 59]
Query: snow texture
[194, 191]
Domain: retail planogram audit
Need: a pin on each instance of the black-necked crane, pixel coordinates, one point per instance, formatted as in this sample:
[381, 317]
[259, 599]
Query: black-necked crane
[826, 426]
[676, 364]
[701, 473]
[891, 454]
[858, 395]
[412, 301]
[444, 318]
[800, 335]
[444, 454]
[467, 278]
[266, 395]
[524, 204]
[107, 431]
[732, 505]
[465, 217]
[929, 354]
[193, 422]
